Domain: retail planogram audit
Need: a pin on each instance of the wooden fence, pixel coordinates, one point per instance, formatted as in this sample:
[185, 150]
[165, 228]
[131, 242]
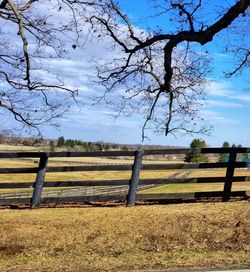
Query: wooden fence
[131, 195]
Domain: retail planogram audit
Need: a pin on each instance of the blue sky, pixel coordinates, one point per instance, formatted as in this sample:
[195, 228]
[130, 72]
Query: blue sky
[227, 107]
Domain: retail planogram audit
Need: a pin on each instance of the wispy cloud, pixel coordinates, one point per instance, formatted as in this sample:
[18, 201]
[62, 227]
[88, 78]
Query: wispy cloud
[217, 119]
[225, 90]
[222, 104]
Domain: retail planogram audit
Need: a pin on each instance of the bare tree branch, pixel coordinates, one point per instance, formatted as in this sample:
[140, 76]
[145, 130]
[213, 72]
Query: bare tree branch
[24, 40]
[32, 99]
[151, 60]
[242, 64]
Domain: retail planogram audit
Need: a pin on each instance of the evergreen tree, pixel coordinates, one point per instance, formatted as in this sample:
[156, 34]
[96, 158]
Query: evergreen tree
[61, 141]
[99, 147]
[223, 157]
[124, 148]
[51, 146]
[70, 143]
[194, 157]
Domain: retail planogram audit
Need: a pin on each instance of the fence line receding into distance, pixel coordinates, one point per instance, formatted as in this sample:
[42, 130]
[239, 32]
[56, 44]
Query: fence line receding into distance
[115, 188]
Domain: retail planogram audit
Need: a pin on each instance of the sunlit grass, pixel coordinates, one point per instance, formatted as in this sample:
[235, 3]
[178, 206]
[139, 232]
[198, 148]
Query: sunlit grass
[186, 236]
[188, 188]
[16, 148]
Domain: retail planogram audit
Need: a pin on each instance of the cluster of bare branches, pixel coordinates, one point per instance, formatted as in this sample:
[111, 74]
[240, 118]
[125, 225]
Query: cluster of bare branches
[159, 72]
[32, 35]
[162, 72]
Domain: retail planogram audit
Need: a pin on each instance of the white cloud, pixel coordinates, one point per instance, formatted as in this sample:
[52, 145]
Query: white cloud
[222, 104]
[218, 88]
[217, 119]
[225, 90]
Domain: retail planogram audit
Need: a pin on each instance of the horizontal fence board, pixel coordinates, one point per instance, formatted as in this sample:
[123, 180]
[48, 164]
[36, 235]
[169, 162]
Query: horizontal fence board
[167, 196]
[95, 198]
[90, 168]
[190, 180]
[18, 170]
[15, 201]
[169, 151]
[93, 154]
[67, 199]
[182, 166]
[189, 196]
[220, 194]
[173, 151]
[19, 185]
[219, 150]
[85, 183]
[16, 155]
[121, 167]
[16, 185]
[10, 155]
[190, 166]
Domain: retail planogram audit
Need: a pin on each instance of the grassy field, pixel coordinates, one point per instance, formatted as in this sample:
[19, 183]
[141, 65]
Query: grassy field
[184, 236]
[116, 239]
[18, 148]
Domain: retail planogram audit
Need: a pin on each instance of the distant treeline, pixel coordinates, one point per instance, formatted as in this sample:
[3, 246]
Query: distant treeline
[9, 137]
[86, 146]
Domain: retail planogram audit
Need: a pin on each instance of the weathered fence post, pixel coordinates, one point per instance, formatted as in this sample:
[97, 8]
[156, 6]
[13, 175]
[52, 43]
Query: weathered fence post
[39, 181]
[134, 178]
[229, 176]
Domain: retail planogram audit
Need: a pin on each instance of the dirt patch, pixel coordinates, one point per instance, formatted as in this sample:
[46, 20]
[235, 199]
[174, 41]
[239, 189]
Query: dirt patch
[10, 251]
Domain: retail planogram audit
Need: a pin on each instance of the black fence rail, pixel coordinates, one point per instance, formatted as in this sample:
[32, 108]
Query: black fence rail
[118, 190]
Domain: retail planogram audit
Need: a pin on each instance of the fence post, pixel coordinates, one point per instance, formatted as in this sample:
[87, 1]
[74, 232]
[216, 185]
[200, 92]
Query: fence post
[134, 178]
[229, 176]
[37, 192]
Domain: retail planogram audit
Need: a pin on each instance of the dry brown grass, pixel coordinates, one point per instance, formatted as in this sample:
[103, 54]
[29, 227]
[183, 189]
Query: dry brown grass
[115, 239]
[16, 148]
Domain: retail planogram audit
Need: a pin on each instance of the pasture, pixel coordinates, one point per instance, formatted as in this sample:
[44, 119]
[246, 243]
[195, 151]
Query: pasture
[169, 237]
